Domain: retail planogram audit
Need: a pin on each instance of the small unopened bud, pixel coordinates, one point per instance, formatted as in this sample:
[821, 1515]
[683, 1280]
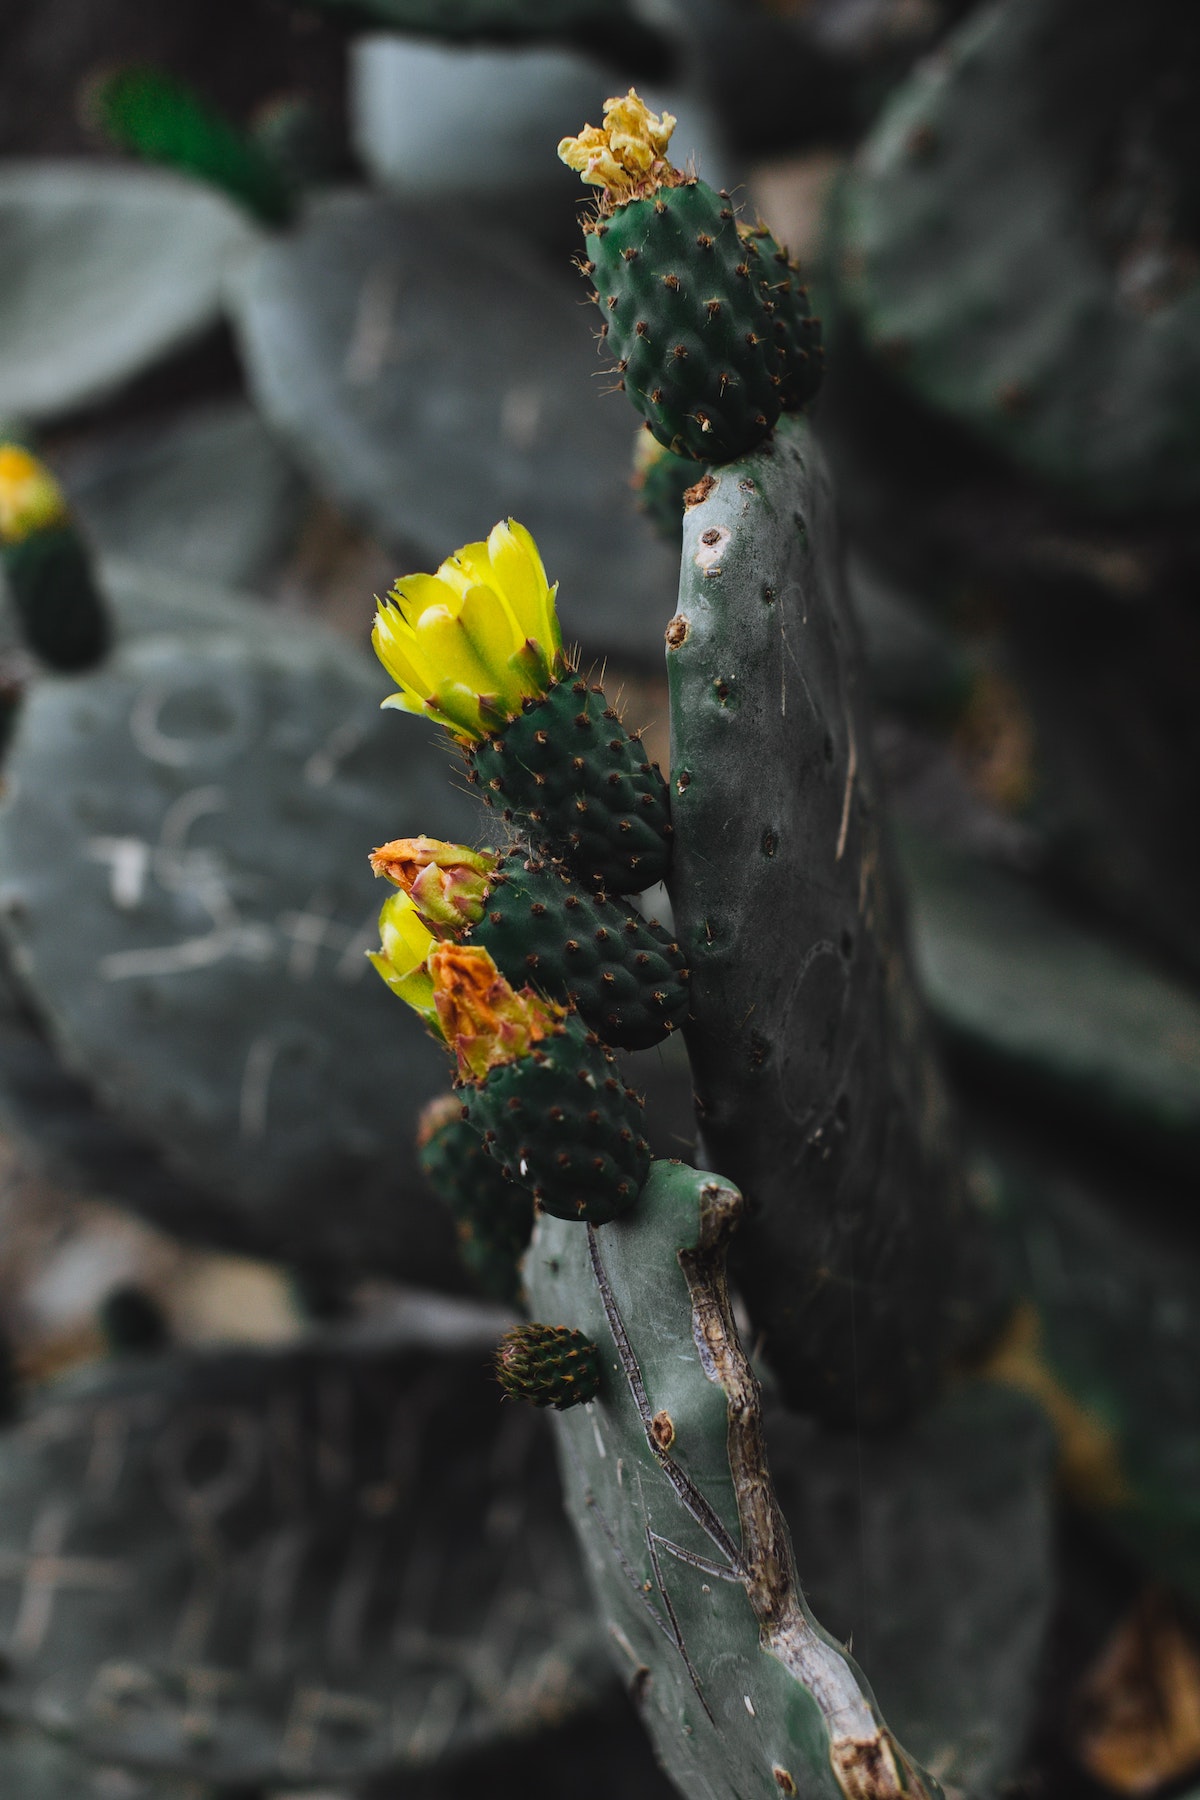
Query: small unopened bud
[548, 1365]
[447, 883]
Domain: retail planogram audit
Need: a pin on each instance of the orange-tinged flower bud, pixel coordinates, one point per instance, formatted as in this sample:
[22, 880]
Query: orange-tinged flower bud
[484, 1020]
[447, 883]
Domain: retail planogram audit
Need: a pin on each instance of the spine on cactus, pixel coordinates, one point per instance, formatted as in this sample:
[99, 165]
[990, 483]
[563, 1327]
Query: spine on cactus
[61, 613]
[623, 974]
[477, 647]
[708, 321]
[541, 1091]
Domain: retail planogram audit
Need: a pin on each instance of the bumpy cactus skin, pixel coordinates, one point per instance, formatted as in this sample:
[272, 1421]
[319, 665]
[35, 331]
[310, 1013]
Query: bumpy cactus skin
[624, 974]
[742, 1692]
[816, 1090]
[560, 1120]
[570, 768]
[492, 1215]
[548, 1365]
[687, 317]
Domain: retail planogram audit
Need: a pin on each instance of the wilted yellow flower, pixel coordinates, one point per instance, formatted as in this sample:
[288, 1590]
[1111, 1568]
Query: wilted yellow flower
[485, 1021]
[402, 957]
[471, 643]
[447, 883]
[626, 156]
[30, 498]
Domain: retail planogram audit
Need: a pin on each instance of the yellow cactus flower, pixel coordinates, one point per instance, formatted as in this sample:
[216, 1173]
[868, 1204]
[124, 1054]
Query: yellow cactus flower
[470, 644]
[403, 955]
[626, 156]
[447, 883]
[484, 1020]
[30, 498]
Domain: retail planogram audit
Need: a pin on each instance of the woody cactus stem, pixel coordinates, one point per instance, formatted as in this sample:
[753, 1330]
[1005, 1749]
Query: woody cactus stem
[816, 1088]
[667, 1485]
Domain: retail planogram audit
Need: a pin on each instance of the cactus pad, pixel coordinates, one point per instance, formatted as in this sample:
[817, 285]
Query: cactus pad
[63, 617]
[624, 975]
[108, 270]
[1063, 334]
[816, 1087]
[548, 1365]
[277, 1569]
[202, 799]
[492, 1215]
[570, 768]
[561, 1121]
[743, 1694]
[685, 314]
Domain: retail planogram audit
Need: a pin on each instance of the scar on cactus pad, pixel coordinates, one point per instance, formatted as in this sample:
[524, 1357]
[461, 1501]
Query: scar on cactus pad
[62, 616]
[477, 647]
[623, 973]
[710, 325]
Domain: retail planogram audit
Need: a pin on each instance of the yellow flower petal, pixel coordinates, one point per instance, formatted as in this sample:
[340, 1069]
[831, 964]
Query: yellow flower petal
[30, 498]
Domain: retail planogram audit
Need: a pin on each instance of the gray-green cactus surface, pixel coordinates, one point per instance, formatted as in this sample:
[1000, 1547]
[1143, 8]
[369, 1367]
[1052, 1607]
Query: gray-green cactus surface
[431, 403]
[816, 1089]
[745, 1696]
[288, 1568]
[187, 904]
[209, 495]
[1073, 1019]
[1014, 241]
[103, 271]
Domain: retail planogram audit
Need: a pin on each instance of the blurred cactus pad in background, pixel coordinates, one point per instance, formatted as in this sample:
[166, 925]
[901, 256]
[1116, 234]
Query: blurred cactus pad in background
[659, 535]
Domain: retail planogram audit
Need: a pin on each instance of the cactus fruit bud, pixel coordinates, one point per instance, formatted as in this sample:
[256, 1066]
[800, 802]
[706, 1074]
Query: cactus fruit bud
[486, 1022]
[548, 1365]
[446, 883]
[493, 1216]
[401, 959]
[626, 156]
[30, 498]
[472, 644]
[62, 616]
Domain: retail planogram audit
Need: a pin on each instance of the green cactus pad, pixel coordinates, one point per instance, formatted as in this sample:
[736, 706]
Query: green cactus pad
[1063, 332]
[685, 315]
[570, 768]
[795, 334]
[62, 614]
[744, 1695]
[548, 1365]
[164, 120]
[815, 1083]
[561, 1121]
[108, 270]
[278, 1568]
[624, 975]
[492, 1215]
[201, 801]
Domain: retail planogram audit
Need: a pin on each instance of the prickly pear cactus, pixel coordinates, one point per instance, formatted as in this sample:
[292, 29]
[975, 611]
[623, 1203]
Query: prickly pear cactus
[288, 1568]
[492, 1215]
[203, 800]
[109, 270]
[1062, 329]
[815, 1088]
[742, 1692]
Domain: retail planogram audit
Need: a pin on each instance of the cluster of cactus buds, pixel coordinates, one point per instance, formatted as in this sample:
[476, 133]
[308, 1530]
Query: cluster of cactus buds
[522, 961]
[711, 328]
[624, 974]
[58, 606]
